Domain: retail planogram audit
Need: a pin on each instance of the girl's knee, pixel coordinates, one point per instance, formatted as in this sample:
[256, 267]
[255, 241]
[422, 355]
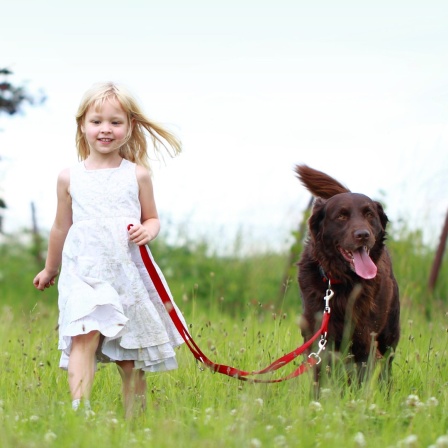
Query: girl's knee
[129, 373]
[126, 368]
[87, 340]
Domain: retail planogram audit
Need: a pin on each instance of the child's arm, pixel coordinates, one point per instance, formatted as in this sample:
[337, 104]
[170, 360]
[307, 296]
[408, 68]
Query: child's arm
[58, 233]
[150, 224]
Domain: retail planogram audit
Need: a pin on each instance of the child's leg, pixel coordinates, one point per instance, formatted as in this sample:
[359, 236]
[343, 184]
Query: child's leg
[81, 364]
[134, 386]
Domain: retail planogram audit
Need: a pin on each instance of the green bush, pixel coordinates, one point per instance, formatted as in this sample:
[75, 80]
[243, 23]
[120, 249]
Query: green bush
[194, 270]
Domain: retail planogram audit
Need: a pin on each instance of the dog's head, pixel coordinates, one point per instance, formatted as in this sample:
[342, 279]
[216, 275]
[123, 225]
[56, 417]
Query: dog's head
[348, 232]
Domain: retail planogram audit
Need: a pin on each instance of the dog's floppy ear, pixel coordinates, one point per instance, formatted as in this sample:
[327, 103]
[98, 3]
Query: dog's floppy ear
[319, 184]
[382, 215]
[317, 216]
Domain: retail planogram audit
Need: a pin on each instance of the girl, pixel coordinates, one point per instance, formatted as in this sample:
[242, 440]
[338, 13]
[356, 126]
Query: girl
[109, 309]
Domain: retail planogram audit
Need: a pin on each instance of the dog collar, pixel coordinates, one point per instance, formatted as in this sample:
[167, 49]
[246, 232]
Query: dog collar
[328, 278]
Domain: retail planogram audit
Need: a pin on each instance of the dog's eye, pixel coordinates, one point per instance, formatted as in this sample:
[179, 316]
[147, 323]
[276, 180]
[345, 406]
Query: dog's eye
[343, 215]
[369, 214]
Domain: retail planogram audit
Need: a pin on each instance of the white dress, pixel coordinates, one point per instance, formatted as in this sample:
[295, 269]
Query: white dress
[103, 284]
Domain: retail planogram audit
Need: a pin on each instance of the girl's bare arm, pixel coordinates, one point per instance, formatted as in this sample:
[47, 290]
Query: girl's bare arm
[150, 224]
[58, 233]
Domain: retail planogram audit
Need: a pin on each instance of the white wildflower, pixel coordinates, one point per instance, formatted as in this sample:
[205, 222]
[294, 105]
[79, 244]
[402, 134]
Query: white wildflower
[148, 434]
[233, 412]
[360, 440]
[280, 441]
[269, 428]
[413, 401]
[34, 418]
[89, 414]
[315, 406]
[376, 410]
[50, 436]
[442, 442]
[255, 443]
[432, 402]
[325, 393]
[259, 402]
[409, 442]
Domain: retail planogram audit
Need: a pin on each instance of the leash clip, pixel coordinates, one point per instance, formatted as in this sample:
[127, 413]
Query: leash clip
[315, 355]
[328, 295]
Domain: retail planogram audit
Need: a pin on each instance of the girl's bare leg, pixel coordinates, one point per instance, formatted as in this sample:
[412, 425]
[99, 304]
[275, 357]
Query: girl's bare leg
[134, 387]
[81, 365]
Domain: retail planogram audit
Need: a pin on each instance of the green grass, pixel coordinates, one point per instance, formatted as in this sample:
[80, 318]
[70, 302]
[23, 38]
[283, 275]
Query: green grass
[193, 407]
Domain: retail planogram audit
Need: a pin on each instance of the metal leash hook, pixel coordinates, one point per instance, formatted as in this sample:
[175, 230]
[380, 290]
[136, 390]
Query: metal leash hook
[323, 338]
[315, 355]
[328, 295]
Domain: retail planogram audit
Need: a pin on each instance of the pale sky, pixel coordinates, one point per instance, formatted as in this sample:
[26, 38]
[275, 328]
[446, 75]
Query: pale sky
[354, 88]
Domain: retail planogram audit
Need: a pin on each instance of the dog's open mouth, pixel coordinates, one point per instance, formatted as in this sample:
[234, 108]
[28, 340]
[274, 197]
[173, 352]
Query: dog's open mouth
[360, 262]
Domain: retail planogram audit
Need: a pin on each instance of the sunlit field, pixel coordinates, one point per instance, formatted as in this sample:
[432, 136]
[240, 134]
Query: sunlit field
[193, 407]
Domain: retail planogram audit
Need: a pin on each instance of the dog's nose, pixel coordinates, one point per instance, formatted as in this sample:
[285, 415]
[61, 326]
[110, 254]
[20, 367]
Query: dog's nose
[362, 234]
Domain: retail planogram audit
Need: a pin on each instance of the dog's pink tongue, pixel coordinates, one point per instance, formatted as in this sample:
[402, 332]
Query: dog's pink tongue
[364, 266]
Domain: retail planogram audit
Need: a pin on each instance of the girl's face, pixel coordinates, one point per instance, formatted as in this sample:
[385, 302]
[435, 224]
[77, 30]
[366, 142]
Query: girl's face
[105, 129]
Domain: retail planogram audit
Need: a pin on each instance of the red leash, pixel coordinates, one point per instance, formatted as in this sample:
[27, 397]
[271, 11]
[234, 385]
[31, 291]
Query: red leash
[242, 375]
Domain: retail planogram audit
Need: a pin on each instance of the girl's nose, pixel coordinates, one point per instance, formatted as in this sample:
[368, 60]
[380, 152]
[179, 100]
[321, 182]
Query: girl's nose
[105, 128]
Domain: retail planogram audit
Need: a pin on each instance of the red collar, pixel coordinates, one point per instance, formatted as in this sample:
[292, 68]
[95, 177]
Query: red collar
[327, 277]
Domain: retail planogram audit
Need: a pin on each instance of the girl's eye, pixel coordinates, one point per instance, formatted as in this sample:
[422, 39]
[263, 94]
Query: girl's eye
[116, 123]
[95, 121]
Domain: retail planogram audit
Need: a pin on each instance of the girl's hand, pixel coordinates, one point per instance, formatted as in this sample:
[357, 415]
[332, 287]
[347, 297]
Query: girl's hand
[139, 235]
[44, 279]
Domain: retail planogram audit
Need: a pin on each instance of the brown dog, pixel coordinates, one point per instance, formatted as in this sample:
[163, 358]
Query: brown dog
[345, 249]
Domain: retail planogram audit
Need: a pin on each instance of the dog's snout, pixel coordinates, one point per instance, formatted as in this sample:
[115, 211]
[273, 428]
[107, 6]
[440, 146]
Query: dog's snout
[362, 234]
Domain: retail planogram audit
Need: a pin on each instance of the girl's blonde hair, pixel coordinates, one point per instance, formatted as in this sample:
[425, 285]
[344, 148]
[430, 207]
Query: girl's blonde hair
[135, 148]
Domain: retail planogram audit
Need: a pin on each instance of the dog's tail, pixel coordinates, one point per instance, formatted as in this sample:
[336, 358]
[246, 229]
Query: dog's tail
[318, 183]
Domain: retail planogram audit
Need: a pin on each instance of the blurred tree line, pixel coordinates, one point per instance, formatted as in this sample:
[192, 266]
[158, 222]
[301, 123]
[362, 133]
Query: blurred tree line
[12, 99]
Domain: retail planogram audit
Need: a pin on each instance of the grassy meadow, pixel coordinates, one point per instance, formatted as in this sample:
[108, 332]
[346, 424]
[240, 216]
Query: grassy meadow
[239, 314]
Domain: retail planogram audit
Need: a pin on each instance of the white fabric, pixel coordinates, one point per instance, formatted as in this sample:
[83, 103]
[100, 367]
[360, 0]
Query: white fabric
[103, 284]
